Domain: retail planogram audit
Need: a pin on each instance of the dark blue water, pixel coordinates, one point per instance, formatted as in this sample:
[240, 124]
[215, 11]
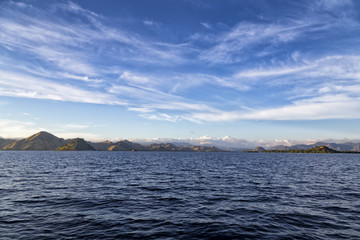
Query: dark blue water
[149, 195]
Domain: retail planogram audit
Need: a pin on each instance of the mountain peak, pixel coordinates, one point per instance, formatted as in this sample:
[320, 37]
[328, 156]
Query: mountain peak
[41, 134]
[39, 141]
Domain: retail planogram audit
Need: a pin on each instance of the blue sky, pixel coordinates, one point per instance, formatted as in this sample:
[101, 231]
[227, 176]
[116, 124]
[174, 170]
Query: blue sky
[180, 69]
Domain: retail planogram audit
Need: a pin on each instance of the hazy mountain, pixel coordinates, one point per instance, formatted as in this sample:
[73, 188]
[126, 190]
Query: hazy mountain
[76, 144]
[225, 143]
[101, 146]
[173, 147]
[182, 144]
[259, 149]
[298, 147]
[162, 147]
[202, 149]
[39, 141]
[126, 145]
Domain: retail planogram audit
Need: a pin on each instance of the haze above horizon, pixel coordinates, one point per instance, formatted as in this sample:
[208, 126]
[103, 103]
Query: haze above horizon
[180, 69]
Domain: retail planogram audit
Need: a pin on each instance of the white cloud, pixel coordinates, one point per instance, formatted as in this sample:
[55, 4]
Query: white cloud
[310, 110]
[76, 50]
[332, 4]
[142, 110]
[270, 72]
[206, 25]
[148, 98]
[248, 40]
[20, 85]
[325, 107]
[317, 96]
[340, 68]
[148, 22]
[161, 117]
[191, 81]
[245, 35]
[46, 44]
[128, 76]
[75, 46]
[81, 78]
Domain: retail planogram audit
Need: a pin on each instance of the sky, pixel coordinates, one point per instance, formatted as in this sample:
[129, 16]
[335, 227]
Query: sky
[254, 70]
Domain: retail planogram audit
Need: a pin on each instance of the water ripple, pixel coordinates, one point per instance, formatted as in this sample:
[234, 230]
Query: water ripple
[148, 195]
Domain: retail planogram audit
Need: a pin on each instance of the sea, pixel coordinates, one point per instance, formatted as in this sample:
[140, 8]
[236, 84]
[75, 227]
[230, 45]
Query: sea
[178, 195]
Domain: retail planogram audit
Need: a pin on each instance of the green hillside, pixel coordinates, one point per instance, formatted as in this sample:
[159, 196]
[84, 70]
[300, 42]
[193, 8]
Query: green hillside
[76, 144]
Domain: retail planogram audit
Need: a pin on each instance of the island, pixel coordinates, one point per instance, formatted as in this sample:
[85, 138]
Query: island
[317, 149]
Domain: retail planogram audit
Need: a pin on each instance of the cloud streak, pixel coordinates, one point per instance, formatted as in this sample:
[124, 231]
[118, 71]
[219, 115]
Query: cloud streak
[252, 41]
[338, 106]
[261, 70]
[72, 45]
[18, 85]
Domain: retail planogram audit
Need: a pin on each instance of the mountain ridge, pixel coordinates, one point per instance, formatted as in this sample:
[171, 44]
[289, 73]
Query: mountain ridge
[48, 142]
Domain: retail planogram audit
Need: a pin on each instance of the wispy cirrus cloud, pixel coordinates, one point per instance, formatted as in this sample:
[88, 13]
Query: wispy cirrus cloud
[232, 46]
[149, 22]
[332, 106]
[93, 60]
[162, 95]
[162, 117]
[148, 99]
[337, 67]
[59, 54]
[319, 108]
[255, 40]
[325, 88]
[75, 45]
[18, 85]
[206, 25]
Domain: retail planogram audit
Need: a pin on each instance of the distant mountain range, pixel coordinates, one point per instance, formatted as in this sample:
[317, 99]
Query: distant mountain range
[335, 146]
[46, 141]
